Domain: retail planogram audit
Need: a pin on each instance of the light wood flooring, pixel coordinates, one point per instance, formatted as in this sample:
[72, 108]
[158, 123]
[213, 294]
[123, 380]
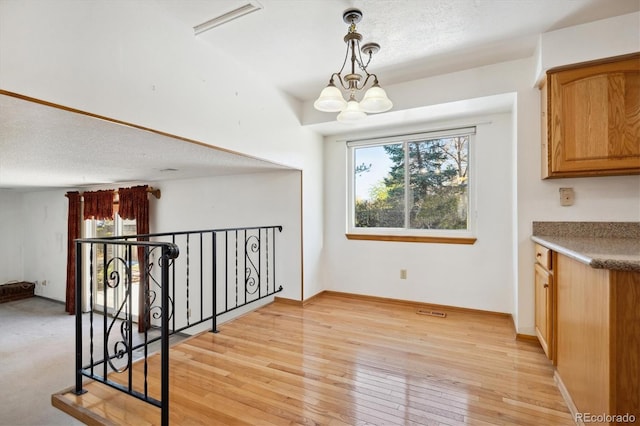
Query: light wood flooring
[346, 361]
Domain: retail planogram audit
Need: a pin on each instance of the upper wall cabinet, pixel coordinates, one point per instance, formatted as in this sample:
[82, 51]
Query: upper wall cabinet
[591, 118]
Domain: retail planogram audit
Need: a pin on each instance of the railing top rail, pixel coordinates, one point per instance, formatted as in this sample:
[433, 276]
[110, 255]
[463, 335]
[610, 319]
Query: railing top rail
[121, 240]
[201, 231]
[172, 249]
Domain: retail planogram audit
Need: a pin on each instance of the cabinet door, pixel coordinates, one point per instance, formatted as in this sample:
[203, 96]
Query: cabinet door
[594, 119]
[543, 307]
[544, 130]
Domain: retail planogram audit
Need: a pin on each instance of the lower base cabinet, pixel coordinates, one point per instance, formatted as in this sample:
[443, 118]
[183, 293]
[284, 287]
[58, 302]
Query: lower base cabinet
[544, 309]
[598, 341]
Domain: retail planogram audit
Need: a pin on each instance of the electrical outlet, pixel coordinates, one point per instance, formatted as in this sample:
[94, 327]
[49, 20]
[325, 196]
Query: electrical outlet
[188, 313]
[403, 274]
[567, 197]
[44, 282]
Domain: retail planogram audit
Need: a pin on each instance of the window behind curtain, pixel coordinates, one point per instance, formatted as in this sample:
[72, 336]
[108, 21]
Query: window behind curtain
[97, 228]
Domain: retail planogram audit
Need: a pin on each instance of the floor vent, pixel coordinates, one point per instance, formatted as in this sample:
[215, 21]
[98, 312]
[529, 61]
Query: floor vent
[432, 313]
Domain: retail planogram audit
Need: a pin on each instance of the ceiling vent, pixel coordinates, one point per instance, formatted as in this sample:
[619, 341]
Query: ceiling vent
[236, 13]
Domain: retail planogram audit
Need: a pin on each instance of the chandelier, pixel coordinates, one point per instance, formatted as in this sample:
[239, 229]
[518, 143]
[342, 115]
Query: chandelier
[375, 99]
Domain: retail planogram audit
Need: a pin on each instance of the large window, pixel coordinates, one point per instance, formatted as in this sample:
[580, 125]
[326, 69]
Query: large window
[412, 185]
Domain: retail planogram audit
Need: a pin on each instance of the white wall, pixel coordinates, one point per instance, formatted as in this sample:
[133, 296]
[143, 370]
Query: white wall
[603, 199]
[473, 276]
[134, 62]
[313, 221]
[11, 228]
[218, 202]
[44, 218]
[264, 199]
[609, 37]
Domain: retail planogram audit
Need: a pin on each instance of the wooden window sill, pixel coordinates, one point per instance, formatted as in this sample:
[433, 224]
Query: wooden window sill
[412, 239]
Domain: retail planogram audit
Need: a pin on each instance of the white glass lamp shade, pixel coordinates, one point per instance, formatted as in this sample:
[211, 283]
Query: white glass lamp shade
[375, 100]
[351, 113]
[330, 100]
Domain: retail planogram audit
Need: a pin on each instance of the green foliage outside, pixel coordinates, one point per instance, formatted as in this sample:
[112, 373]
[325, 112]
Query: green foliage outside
[438, 172]
[104, 228]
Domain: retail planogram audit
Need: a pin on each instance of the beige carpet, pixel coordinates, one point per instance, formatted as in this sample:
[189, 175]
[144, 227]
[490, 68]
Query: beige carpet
[36, 360]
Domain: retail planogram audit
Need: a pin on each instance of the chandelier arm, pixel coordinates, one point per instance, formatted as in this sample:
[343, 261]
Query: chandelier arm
[344, 86]
[375, 81]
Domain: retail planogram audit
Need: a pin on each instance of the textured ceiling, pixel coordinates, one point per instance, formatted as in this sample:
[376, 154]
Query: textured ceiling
[43, 147]
[296, 45]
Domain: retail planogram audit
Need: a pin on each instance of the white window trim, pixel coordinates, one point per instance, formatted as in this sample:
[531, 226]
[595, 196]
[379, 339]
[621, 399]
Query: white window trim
[89, 231]
[439, 235]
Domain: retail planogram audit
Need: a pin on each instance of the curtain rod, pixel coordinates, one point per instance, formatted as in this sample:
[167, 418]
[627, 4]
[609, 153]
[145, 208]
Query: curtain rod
[151, 190]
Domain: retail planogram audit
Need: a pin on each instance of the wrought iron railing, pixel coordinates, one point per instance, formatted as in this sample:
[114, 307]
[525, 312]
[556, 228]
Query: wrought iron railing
[187, 279]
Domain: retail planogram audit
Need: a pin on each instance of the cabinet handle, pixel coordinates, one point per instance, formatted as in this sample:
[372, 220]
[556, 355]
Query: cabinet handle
[538, 254]
[546, 286]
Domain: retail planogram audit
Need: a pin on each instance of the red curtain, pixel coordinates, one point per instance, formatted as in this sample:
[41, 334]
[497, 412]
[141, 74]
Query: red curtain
[134, 204]
[98, 204]
[73, 232]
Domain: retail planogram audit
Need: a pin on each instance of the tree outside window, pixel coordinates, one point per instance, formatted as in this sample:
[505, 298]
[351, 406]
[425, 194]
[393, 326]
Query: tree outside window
[416, 184]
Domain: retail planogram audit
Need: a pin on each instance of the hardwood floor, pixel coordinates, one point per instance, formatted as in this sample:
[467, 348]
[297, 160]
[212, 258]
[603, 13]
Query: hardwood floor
[342, 361]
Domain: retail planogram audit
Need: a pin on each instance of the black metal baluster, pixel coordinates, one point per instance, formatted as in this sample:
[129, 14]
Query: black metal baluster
[188, 310]
[129, 310]
[214, 272]
[105, 335]
[274, 258]
[173, 284]
[145, 280]
[201, 279]
[164, 416]
[226, 271]
[266, 235]
[78, 309]
[236, 268]
[259, 261]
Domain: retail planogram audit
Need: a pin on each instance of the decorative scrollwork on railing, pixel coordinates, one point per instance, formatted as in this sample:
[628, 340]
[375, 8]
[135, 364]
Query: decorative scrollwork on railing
[121, 347]
[252, 257]
[154, 287]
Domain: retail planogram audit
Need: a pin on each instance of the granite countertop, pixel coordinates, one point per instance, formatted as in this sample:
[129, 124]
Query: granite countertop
[602, 245]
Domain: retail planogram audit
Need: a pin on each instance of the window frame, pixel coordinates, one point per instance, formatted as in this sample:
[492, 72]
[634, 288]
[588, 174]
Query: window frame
[451, 236]
[89, 230]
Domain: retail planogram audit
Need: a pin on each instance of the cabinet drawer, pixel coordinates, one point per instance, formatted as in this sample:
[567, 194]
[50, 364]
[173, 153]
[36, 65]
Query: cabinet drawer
[543, 257]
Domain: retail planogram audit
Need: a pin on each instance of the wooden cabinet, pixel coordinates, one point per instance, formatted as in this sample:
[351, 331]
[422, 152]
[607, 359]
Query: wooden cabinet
[544, 300]
[591, 118]
[598, 338]
[544, 323]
